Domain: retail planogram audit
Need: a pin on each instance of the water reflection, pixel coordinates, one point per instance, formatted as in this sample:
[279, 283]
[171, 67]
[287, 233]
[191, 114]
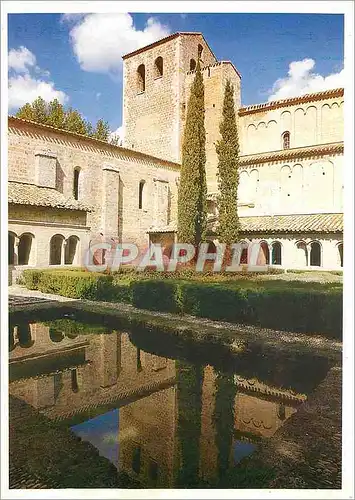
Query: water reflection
[165, 422]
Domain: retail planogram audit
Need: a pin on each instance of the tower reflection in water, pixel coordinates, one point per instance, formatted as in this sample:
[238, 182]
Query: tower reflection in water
[165, 422]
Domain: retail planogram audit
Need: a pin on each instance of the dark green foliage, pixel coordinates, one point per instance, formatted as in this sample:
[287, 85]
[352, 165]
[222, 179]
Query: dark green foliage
[281, 305]
[192, 204]
[227, 149]
[189, 379]
[156, 295]
[56, 114]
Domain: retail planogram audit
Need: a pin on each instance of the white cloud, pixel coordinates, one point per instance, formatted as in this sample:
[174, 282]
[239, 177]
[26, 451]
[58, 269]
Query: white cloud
[100, 40]
[119, 132]
[302, 80]
[21, 60]
[25, 88]
[26, 80]
[98, 95]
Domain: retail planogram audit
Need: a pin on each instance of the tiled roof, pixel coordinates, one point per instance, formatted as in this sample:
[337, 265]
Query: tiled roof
[316, 96]
[308, 223]
[294, 153]
[21, 193]
[317, 223]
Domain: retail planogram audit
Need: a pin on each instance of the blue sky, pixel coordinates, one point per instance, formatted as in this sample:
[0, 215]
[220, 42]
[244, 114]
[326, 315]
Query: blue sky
[78, 59]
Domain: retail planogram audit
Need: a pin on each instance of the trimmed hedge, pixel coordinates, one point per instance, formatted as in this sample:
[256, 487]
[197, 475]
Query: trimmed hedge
[268, 305]
[77, 285]
[278, 308]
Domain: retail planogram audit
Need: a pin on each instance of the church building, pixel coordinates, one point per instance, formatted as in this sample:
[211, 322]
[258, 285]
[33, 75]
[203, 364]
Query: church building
[67, 191]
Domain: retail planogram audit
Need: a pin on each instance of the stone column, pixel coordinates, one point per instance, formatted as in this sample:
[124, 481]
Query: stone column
[62, 254]
[16, 245]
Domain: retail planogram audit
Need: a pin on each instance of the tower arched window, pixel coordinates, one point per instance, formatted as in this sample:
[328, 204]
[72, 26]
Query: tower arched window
[286, 140]
[76, 183]
[200, 51]
[141, 78]
[158, 67]
[192, 64]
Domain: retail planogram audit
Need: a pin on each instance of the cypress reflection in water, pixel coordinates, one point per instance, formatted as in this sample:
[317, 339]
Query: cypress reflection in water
[189, 396]
[224, 419]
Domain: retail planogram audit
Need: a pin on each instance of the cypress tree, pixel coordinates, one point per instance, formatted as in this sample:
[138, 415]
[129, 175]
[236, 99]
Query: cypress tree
[192, 204]
[56, 114]
[227, 149]
[25, 112]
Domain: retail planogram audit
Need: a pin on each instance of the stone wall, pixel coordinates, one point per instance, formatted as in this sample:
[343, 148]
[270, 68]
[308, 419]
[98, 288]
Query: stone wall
[317, 121]
[295, 186]
[152, 117]
[108, 182]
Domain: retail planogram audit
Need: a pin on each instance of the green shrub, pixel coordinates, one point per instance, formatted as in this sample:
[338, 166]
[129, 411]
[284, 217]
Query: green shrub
[156, 295]
[30, 278]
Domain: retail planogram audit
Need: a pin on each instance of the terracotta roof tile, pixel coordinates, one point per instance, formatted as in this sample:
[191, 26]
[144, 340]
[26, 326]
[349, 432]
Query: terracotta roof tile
[21, 193]
[290, 101]
[304, 223]
[322, 223]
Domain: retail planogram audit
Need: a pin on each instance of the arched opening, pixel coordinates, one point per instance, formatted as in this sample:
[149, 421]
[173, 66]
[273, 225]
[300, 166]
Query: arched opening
[315, 256]
[11, 248]
[56, 335]
[276, 253]
[211, 247]
[340, 254]
[74, 380]
[76, 183]
[158, 67]
[24, 335]
[264, 254]
[199, 51]
[71, 250]
[192, 64]
[141, 78]
[56, 249]
[286, 140]
[24, 249]
[302, 254]
[140, 194]
[244, 253]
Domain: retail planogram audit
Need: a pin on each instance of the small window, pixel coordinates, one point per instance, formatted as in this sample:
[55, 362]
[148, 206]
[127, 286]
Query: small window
[139, 362]
[158, 67]
[192, 64]
[76, 183]
[74, 381]
[141, 78]
[286, 140]
[200, 51]
[141, 189]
